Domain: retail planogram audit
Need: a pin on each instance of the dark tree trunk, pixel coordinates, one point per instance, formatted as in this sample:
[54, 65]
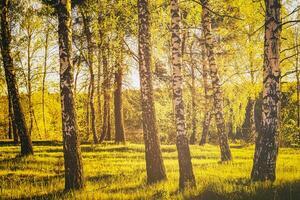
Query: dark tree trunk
[13, 126]
[266, 148]
[10, 116]
[249, 130]
[216, 85]
[119, 123]
[90, 63]
[205, 127]
[154, 162]
[230, 123]
[10, 76]
[71, 145]
[186, 175]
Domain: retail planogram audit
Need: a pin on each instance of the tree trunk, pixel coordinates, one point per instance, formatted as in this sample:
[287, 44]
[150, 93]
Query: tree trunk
[193, 94]
[119, 123]
[44, 80]
[76, 64]
[298, 81]
[230, 123]
[186, 175]
[90, 63]
[32, 117]
[87, 114]
[249, 130]
[217, 92]
[10, 116]
[207, 96]
[99, 87]
[266, 149]
[13, 127]
[154, 162]
[10, 75]
[106, 94]
[108, 133]
[29, 95]
[71, 145]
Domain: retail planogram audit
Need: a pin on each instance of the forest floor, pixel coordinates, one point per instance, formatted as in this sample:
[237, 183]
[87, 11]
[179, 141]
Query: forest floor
[118, 172]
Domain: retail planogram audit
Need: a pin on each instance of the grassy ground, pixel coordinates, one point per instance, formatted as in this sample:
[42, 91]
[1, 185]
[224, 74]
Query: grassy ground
[118, 172]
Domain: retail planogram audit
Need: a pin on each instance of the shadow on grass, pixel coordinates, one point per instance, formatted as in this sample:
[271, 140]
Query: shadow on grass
[130, 189]
[35, 143]
[12, 160]
[94, 149]
[113, 149]
[102, 177]
[285, 191]
[53, 195]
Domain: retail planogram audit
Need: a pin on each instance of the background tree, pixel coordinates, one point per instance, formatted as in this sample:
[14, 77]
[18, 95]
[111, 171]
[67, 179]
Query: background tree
[118, 101]
[217, 92]
[207, 95]
[90, 63]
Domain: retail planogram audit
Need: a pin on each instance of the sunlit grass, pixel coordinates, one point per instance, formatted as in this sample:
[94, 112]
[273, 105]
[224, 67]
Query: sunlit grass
[118, 172]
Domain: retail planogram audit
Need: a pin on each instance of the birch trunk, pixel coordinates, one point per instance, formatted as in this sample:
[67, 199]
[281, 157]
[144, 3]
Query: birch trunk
[193, 94]
[217, 92]
[208, 97]
[71, 144]
[186, 175]
[266, 148]
[154, 162]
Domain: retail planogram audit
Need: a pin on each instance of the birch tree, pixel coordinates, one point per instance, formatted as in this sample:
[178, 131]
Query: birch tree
[154, 162]
[72, 153]
[266, 148]
[186, 175]
[216, 85]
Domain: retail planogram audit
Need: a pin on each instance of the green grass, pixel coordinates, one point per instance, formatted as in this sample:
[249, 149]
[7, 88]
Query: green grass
[118, 172]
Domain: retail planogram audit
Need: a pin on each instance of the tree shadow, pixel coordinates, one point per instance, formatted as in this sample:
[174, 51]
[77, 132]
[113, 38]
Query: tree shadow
[207, 194]
[289, 190]
[53, 195]
[129, 189]
[99, 178]
[15, 159]
[34, 143]
[112, 149]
